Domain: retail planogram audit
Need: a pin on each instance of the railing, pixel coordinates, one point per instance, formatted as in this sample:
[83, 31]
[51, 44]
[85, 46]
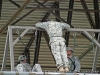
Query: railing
[42, 73]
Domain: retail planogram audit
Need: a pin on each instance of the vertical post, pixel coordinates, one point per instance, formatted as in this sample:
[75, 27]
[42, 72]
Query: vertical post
[57, 11]
[96, 7]
[69, 18]
[37, 46]
[0, 7]
[5, 53]
[27, 51]
[96, 55]
[11, 47]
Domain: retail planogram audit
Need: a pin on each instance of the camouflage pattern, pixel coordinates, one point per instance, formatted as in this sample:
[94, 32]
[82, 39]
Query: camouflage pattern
[59, 52]
[37, 68]
[23, 67]
[22, 57]
[74, 61]
[58, 47]
[69, 48]
[54, 29]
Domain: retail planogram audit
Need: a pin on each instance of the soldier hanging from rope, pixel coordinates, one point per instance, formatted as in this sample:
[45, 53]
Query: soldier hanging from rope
[57, 42]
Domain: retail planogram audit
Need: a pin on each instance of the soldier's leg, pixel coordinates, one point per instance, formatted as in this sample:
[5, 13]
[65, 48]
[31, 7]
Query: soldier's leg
[64, 56]
[56, 53]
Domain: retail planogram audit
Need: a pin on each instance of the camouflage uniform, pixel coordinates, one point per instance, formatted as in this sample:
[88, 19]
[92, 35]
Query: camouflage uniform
[25, 67]
[58, 47]
[37, 68]
[74, 62]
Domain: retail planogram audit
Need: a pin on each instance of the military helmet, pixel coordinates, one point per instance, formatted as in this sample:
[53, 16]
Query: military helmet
[69, 48]
[22, 57]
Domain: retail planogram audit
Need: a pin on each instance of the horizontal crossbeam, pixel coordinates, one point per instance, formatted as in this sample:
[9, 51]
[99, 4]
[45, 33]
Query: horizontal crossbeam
[71, 29]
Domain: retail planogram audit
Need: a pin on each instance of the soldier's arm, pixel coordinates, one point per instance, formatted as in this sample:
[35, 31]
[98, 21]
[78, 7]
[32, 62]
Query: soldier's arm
[65, 25]
[77, 65]
[41, 24]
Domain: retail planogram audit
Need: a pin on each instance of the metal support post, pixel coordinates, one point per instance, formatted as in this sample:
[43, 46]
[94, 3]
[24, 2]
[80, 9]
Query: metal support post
[96, 55]
[37, 46]
[0, 7]
[69, 18]
[27, 51]
[11, 47]
[57, 11]
[5, 53]
[96, 14]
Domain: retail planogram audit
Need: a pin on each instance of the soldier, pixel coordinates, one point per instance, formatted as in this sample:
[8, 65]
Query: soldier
[57, 43]
[25, 67]
[73, 61]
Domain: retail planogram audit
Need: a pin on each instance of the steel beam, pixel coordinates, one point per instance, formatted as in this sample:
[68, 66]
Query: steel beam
[97, 22]
[66, 9]
[69, 18]
[71, 29]
[37, 46]
[21, 35]
[11, 48]
[85, 31]
[96, 7]
[15, 15]
[32, 9]
[48, 13]
[15, 3]
[84, 53]
[96, 55]
[90, 19]
[27, 51]
[0, 7]
[57, 11]
[90, 37]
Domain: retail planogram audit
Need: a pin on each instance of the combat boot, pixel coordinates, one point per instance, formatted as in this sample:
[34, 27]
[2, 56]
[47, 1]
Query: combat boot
[66, 69]
[61, 69]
